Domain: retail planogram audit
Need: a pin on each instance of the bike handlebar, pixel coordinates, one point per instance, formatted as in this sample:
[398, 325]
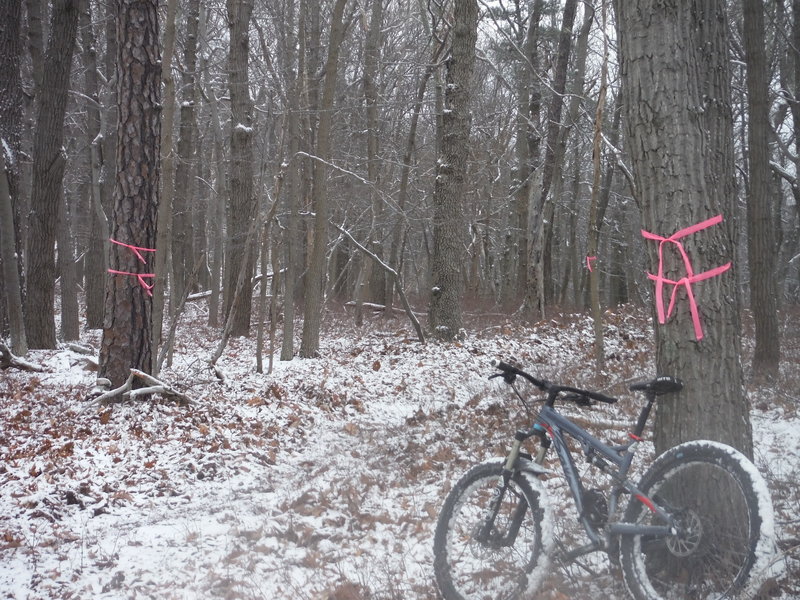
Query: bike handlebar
[552, 389]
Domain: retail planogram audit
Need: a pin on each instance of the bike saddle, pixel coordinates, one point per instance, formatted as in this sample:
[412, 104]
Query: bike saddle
[663, 384]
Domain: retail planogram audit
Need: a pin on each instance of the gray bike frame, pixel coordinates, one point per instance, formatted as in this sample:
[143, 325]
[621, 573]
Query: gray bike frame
[621, 457]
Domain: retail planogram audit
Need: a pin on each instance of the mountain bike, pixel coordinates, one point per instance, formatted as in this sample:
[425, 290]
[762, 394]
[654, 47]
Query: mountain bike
[697, 526]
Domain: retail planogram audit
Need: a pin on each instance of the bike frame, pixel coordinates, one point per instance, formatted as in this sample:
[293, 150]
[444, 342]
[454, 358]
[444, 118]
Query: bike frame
[615, 461]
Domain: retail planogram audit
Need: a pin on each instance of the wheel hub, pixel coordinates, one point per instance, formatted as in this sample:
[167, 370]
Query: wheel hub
[689, 536]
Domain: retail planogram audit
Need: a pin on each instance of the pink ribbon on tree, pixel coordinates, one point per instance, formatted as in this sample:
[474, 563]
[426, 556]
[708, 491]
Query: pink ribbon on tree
[690, 278]
[137, 250]
[589, 261]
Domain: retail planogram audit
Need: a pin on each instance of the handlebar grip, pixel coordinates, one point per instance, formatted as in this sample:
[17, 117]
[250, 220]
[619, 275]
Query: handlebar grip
[504, 366]
[509, 371]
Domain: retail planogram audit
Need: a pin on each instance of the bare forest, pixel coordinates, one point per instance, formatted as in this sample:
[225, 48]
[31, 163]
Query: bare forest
[323, 153]
[264, 212]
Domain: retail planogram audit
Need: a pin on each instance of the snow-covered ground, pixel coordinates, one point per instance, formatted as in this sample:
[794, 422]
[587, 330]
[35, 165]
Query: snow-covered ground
[320, 480]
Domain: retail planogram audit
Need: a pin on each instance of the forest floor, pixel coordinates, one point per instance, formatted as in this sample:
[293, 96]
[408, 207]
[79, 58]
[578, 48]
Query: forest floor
[323, 479]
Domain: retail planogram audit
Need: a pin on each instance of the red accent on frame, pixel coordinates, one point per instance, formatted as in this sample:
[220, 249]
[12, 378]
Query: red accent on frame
[646, 501]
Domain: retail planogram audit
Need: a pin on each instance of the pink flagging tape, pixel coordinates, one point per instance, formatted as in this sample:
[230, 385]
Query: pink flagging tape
[148, 287]
[589, 261]
[137, 250]
[690, 277]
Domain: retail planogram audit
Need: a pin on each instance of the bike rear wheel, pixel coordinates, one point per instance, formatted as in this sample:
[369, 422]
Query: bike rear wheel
[499, 561]
[725, 520]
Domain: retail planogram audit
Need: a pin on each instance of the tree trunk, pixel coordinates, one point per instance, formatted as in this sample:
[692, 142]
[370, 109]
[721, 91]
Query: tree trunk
[309, 346]
[682, 156]
[292, 233]
[216, 210]
[19, 343]
[96, 255]
[762, 248]
[242, 201]
[398, 230]
[167, 168]
[449, 233]
[182, 230]
[70, 328]
[36, 40]
[594, 225]
[366, 289]
[48, 173]
[535, 293]
[127, 332]
[10, 128]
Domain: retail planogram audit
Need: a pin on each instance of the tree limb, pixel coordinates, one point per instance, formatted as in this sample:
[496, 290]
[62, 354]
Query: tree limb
[9, 360]
[127, 392]
[395, 276]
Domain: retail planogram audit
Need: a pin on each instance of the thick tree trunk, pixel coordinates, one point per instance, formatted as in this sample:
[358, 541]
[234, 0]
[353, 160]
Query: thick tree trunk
[449, 258]
[679, 135]
[48, 173]
[762, 248]
[127, 332]
[10, 128]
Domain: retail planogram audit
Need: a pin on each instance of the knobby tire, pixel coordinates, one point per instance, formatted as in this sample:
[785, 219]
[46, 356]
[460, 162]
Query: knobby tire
[495, 569]
[726, 515]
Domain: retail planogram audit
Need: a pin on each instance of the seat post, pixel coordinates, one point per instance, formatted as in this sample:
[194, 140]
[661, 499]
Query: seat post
[645, 414]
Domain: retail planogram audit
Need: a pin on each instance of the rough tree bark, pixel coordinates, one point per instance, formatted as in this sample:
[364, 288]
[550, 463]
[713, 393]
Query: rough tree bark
[49, 163]
[445, 317]
[127, 330]
[678, 122]
[10, 126]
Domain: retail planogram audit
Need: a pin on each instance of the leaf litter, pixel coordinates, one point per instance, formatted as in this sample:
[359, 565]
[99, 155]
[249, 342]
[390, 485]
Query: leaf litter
[321, 480]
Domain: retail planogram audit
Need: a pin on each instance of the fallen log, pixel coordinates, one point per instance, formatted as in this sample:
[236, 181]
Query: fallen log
[127, 392]
[9, 360]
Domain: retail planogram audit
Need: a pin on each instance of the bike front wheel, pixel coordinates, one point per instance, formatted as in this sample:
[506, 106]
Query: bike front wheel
[724, 517]
[486, 551]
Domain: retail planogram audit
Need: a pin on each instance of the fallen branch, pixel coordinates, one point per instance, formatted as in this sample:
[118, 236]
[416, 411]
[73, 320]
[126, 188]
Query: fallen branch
[374, 306]
[9, 360]
[395, 275]
[127, 392]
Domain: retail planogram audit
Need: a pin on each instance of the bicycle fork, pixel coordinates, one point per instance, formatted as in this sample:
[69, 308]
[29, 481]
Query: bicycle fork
[487, 524]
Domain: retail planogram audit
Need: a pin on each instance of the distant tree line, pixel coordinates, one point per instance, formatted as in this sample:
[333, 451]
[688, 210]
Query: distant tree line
[489, 155]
